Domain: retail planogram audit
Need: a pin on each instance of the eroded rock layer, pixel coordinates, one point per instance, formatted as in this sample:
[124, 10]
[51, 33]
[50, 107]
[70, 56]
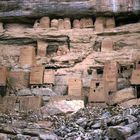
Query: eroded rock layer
[29, 9]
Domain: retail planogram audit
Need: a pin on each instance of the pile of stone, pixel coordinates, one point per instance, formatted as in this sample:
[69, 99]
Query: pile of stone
[98, 123]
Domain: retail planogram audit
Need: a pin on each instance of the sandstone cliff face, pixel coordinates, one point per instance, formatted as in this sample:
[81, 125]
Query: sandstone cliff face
[26, 9]
[70, 46]
[55, 51]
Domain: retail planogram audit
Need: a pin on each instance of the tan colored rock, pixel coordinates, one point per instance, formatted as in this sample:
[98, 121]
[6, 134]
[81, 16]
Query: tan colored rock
[130, 103]
[27, 57]
[62, 107]
[75, 86]
[97, 93]
[135, 78]
[107, 45]
[49, 76]
[67, 23]
[61, 24]
[3, 76]
[86, 23]
[110, 22]
[54, 23]
[66, 97]
[41, 48]
[37, 75]
[121, 96]
[122, 132]
[45, 22]
[18, 79]
[76, 24]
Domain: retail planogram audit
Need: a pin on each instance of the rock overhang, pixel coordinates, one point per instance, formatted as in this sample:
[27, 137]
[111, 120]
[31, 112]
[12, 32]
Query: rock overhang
[22, 11]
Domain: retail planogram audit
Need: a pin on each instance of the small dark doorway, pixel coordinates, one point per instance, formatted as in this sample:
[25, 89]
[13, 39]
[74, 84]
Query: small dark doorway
[97, 85]
[99, 70]
[138, 91]
[2, 90]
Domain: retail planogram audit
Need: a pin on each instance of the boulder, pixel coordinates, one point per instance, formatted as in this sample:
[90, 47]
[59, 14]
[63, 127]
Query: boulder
[48, 136]
[121, 96]
[130, 103]
[22, 137]
[122, 132]
[135, 136]
[62, 107]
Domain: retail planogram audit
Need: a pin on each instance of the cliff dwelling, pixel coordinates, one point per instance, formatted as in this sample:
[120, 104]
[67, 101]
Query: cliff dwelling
[69, 70]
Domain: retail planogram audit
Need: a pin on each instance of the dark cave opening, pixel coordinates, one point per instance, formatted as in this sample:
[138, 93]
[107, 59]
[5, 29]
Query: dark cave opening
[138, 91]
[126, 20]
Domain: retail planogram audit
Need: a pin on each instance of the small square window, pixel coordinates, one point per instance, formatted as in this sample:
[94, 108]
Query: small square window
[97, 84]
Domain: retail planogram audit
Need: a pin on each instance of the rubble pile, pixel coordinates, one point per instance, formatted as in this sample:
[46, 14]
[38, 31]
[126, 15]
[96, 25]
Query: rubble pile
[100, 123]
[92, 122]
